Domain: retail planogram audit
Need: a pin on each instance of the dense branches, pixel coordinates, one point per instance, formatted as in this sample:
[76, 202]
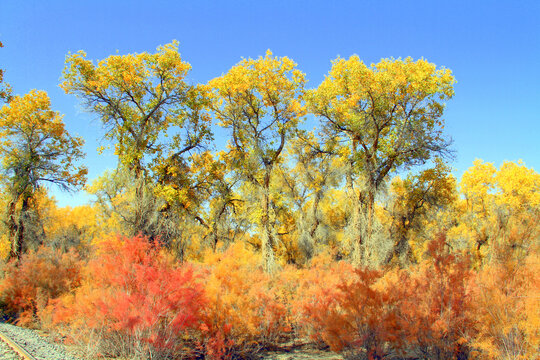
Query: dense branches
[260, 102]
[35, 149]
[390, 114]
[154, 116]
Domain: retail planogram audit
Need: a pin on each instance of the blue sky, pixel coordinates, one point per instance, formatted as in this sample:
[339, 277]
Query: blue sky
[492, 47]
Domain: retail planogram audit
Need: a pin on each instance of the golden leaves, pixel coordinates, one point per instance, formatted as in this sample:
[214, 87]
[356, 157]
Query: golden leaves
[139, 98]
[389, 85]
[126, 72]
[265, 86]
[33, 137]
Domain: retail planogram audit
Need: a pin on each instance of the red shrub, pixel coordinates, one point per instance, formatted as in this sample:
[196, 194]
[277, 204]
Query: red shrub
[39, 277]
[317, 289]
[134, 301]
[419, 312]
[343, 308]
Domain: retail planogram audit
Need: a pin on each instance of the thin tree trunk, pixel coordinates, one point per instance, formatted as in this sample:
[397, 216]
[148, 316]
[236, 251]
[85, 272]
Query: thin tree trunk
[139, 185]
[358, 245]
[356, 219]
[401, 244]
[269, 260]
[368, 246]
[315, 212]
[310, 236]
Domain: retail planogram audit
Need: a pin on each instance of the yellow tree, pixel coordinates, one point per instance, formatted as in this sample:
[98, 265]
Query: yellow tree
[202, 191]
[35, 148]
[502, 207]
[147, 106]
[260, 101]
[72, 227]
[413, 198]
[391, 115]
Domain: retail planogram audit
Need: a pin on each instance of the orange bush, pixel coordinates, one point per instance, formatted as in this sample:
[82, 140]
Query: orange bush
[244, 312]
[28, 286]
[420, 312]
[133, 302]
[507, 307]
[432, 306]
[343, 308]
[315, 297]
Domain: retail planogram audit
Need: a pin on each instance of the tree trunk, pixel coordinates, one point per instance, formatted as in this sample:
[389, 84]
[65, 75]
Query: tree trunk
[401, 244]
[309, 237]
[363, 226]
[12, 229]
[138, 226]
[269, 260]
[315, 215]
[368, 246]
[358, 244]
[16, 228]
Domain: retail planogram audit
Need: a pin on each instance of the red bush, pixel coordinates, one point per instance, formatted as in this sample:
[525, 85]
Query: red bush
[134, 301]
[433, 306]
[39, 277]
[343, 308]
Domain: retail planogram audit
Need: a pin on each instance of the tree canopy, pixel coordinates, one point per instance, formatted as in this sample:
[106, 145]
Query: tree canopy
[151, 112]
[390, 115]
[36, 148]
[260, 101]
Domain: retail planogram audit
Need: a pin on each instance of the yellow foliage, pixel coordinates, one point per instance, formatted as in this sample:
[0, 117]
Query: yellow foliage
[81, 219]
[28, 122]
[140, 97]
[501, 209]
[5, 246]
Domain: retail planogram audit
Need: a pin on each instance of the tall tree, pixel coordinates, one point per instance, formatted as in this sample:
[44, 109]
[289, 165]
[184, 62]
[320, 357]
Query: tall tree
[260, 101]
[35, 148]
[391, 116]
[147, 106]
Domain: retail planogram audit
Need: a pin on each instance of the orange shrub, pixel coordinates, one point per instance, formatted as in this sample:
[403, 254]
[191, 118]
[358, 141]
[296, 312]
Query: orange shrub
[133, 302]
[507, 307]
[342, 307]
[432, 306]
[244, 312]
[316, 293]
[421, 312]
[28, 286]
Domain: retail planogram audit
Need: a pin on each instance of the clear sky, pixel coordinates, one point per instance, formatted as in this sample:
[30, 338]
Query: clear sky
[492, 47]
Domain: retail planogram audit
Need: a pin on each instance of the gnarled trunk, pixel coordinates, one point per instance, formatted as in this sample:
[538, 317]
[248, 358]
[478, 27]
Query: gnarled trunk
[363, 226]
[16, 228]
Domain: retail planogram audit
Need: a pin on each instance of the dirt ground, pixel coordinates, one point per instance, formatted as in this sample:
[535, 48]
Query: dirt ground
[302, 354]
